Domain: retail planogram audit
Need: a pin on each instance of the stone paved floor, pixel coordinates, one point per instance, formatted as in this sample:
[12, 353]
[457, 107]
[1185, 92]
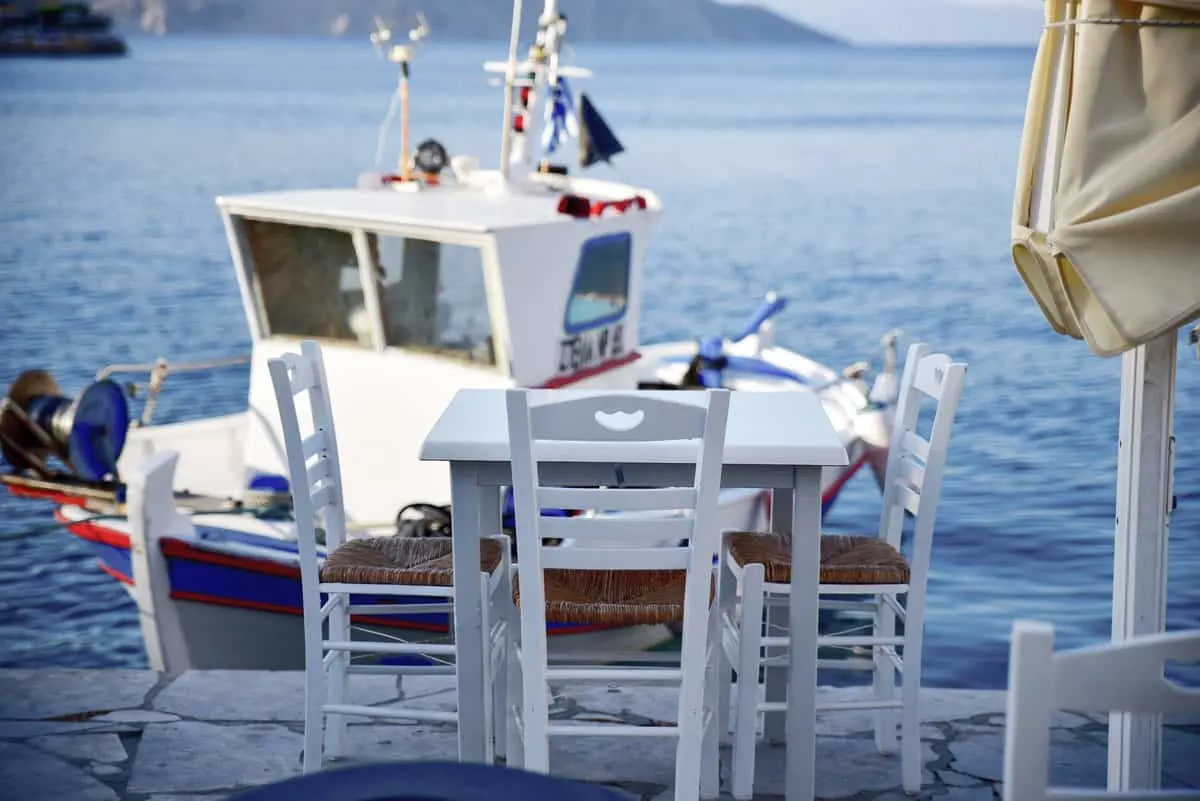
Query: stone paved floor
[109, 735]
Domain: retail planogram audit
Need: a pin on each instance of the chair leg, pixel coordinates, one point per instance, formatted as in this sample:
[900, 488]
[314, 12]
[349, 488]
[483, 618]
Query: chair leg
[910, 695]
[338, 679]
[775, 677]
[710, 764]
[314, 688]
[726, 605]
[489, 690]
[514, 740]
[535, 709]
[694, 664]
[745, 723]
[884, 678]
[502, 602]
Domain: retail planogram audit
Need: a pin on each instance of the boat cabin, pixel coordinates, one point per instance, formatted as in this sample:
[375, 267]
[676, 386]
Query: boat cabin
[416, 292]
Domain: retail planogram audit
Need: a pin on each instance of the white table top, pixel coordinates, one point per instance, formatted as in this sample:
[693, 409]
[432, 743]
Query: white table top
[765, 428]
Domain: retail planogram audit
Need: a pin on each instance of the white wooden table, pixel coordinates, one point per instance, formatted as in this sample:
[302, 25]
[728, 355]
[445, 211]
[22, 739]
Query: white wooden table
[774, 440]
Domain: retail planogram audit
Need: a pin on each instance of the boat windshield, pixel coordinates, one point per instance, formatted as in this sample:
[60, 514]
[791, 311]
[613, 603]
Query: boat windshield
[432, 295]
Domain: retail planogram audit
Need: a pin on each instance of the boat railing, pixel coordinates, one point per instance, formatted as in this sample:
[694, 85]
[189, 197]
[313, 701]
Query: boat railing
[158, 371]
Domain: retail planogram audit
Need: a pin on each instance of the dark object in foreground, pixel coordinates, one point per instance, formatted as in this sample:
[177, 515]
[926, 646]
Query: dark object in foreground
[427, 781]
[57, 29]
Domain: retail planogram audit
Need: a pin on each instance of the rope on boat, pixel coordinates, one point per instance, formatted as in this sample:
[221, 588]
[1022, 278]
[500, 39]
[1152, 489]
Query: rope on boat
[53, 527]
[158, 374]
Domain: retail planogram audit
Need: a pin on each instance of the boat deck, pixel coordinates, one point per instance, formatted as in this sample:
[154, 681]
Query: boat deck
[133, 735]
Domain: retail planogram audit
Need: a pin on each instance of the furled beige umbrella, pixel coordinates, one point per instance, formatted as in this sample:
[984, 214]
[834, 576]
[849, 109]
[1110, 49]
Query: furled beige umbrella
[1106, 236]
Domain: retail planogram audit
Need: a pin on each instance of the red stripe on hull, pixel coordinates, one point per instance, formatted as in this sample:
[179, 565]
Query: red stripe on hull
[830, 493]
[93, 532]
[560, 381]
[182, 550]
[47, 495]
[117, 574]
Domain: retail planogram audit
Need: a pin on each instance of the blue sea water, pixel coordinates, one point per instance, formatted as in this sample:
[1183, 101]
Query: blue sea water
[872, 187]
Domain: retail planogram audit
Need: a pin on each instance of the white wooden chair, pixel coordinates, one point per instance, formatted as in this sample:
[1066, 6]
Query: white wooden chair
[755, 568]
[631, 578]
[375, 566]
[1113, 677]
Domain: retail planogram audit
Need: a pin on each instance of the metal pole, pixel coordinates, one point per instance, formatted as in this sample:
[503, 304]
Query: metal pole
[509, 77]
[1145, 468]
[405, 154]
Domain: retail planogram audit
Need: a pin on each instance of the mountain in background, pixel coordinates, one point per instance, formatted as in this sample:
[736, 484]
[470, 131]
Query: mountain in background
[588, 20]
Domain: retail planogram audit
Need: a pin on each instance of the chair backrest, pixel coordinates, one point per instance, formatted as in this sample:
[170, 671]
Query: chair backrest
[606, 428]
[1113, 677]
[913, 481]
[314, 473]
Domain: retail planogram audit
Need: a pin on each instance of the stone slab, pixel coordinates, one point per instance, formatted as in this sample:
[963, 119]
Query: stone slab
[24, 729]
[852, 766]
[105, 771]
[250, 695]
[27, 774]
[1181, 756]
[203, 736]
[83, 747]
[1074, 761]
[137, 716]
[189, 756]
[52, 693]
[401, 742]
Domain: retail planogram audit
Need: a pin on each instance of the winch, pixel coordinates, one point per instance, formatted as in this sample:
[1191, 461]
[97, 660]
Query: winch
[86, 434]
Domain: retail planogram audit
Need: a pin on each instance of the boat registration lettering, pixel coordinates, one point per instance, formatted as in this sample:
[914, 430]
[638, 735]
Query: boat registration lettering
[589, 348]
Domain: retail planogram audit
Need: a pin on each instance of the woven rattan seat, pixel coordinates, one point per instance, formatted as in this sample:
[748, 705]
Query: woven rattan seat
[612, 597]
[425, 561]
[845, 558]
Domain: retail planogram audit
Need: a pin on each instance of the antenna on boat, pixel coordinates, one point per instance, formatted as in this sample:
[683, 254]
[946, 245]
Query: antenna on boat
[539, 74]
[401, 54]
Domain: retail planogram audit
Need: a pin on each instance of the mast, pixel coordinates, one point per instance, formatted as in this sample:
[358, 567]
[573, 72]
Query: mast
[509, 78]
[525, 94]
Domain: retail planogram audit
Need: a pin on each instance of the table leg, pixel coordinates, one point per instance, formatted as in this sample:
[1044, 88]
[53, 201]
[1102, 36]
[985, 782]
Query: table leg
[468, 518]
[802, 684]
[776, 676]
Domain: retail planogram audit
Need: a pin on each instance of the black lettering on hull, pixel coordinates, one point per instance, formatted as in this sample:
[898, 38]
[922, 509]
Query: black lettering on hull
[590, 348]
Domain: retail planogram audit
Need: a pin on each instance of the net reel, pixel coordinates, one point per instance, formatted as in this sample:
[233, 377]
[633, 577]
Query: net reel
[87, 434]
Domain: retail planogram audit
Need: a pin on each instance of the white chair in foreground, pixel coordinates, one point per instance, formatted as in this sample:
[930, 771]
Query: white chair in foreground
[631, 578]
[756, 568]
[374, 566]
[1113, 677]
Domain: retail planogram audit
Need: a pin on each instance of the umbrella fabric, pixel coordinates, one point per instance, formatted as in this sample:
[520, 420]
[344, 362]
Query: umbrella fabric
[1106, 214]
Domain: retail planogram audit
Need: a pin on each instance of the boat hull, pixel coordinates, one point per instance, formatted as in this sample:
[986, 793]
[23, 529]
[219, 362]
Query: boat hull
[233, 581]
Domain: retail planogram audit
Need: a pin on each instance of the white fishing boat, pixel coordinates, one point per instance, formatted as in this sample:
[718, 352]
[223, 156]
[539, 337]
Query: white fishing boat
[418, 283]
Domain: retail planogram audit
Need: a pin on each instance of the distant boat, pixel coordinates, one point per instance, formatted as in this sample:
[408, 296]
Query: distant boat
[57, 29]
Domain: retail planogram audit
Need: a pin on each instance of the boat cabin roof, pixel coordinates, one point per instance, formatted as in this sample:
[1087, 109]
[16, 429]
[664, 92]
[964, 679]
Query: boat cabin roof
[444, 208]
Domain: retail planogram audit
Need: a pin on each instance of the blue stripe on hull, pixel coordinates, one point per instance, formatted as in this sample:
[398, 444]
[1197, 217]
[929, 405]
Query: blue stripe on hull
[116, 559]
[263, 589]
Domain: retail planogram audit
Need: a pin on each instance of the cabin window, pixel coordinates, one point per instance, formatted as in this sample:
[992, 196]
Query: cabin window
[601, 288]
[309, 280]
[433, 297]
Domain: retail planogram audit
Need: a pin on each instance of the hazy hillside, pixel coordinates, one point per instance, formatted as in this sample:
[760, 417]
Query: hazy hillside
[589, 20]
